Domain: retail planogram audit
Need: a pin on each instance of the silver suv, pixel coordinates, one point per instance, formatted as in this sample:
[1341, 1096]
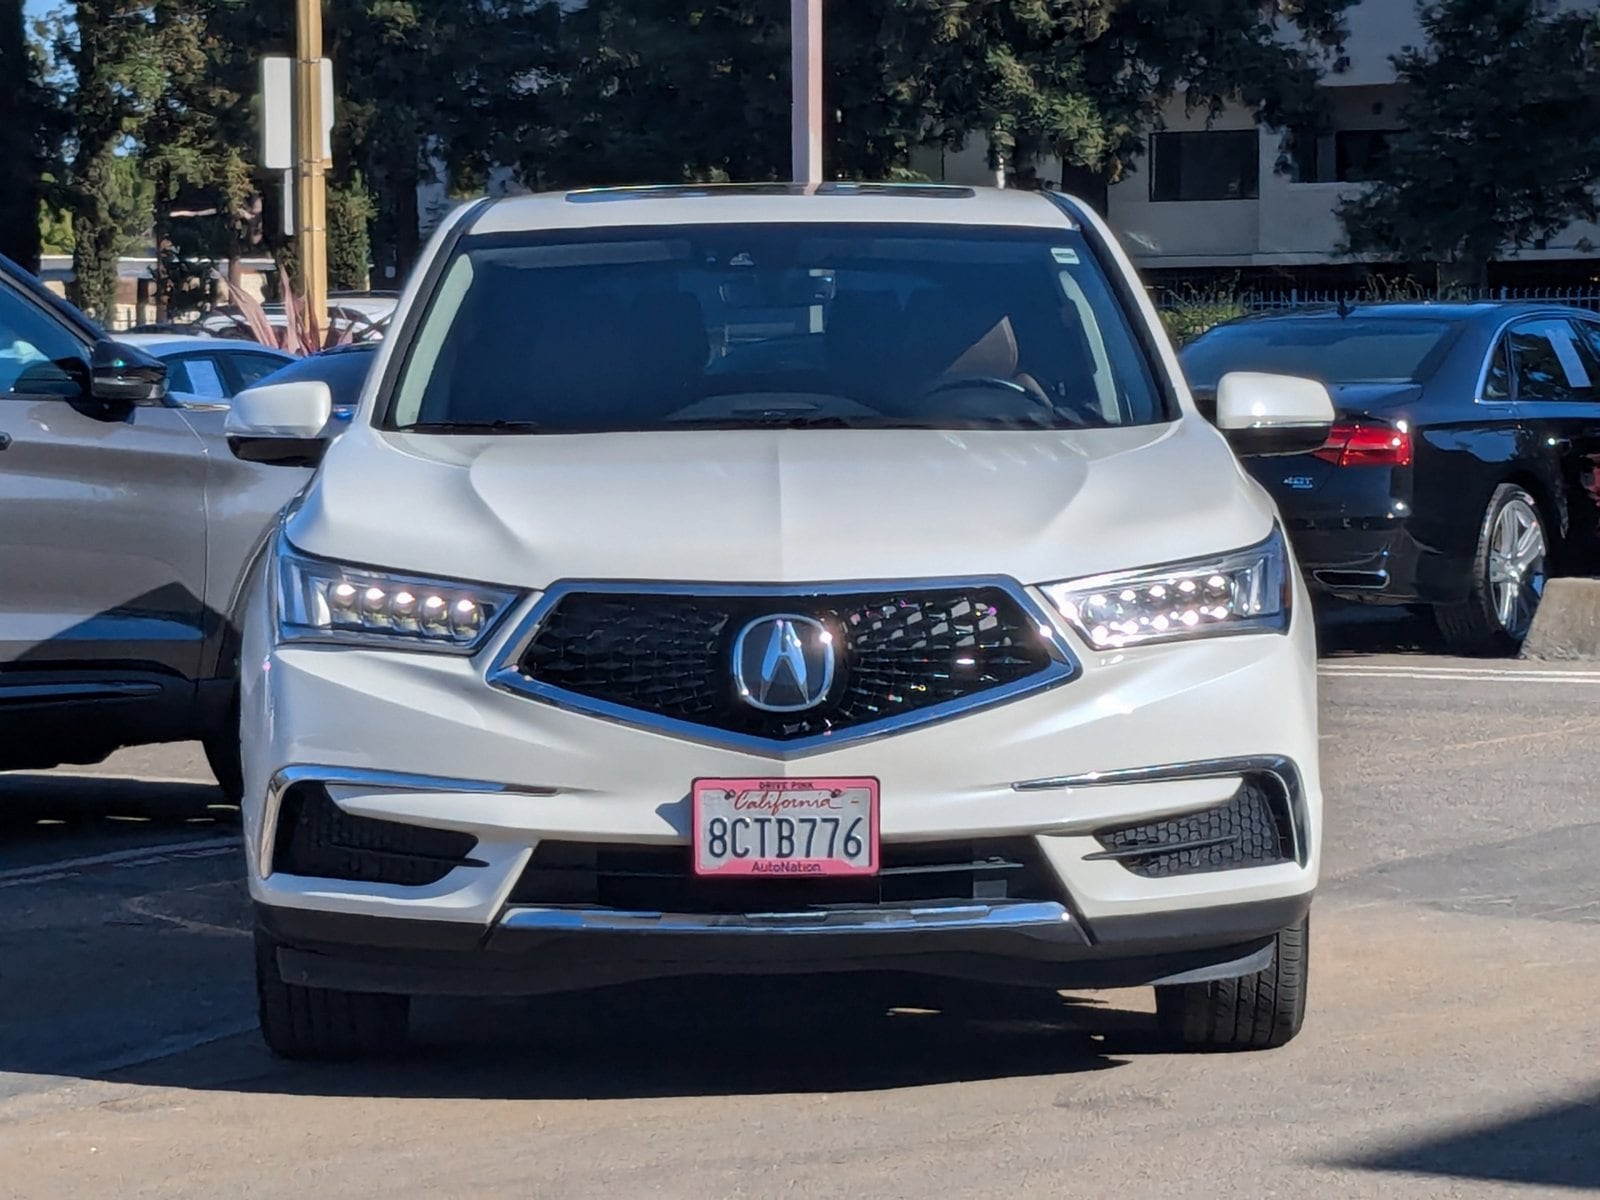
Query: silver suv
[127, 527]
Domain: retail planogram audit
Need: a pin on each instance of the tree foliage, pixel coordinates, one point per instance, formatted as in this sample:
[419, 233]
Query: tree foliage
[1499, 150]
[690, 89]
[610, 91]
[22, 126]
[110, 75]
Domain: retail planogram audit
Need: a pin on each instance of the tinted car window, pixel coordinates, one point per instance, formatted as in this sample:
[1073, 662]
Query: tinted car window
[1351, 350]
[343, 371]
[1546, 362]
[1497, 380]
[735, 326]
[253, 368]
[33, 348]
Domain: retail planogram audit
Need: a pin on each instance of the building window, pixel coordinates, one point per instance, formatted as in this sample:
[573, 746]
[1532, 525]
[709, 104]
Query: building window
[1214, 165]
[1348, 156]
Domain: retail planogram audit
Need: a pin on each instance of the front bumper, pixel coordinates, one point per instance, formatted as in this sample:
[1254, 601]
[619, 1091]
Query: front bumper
[533, 951]
[1143, 734]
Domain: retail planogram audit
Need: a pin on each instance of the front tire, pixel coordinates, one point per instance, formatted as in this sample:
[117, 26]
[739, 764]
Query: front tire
[307, 1024]
[1254, 1012]
[1508, 576]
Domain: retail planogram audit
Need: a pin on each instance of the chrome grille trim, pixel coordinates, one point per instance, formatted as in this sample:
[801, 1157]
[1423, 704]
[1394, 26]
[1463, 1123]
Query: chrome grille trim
[505, 672]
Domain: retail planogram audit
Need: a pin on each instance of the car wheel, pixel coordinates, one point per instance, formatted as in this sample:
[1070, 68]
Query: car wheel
[1254, 1012]
[322, 1024]
[1508, 577]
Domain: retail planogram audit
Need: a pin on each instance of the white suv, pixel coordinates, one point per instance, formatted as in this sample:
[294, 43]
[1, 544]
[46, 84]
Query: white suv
[766, 579]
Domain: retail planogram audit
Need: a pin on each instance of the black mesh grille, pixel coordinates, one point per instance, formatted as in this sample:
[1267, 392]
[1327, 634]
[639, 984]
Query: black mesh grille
[897, 652]
[662, 879]
[316, 837]
[1250, 830]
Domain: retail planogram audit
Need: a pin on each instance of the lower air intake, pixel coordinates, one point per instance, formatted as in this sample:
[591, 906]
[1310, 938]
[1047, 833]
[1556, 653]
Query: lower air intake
[316, 837]
[1253, 829]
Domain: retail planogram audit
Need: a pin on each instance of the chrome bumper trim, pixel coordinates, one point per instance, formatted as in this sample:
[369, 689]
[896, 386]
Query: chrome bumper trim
[1032, 915]
[505, 672]
[1210, 768]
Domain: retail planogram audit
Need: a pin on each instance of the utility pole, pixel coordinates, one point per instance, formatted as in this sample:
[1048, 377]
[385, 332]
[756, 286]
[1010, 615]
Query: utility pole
[311, 195]
[805, 39]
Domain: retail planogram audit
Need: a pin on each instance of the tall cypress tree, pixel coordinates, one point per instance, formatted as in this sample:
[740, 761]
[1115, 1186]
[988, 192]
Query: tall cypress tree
[21, 121]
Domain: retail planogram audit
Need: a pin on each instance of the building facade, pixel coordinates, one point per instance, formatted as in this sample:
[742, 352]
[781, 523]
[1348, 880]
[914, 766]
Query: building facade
[1231, 199]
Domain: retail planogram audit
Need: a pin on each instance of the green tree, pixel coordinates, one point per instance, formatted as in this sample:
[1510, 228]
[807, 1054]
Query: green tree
[1500, 149]
[350, 211]
[660, 89]
[109, 68]
[21, 190]
[199, 144]
[425, 87]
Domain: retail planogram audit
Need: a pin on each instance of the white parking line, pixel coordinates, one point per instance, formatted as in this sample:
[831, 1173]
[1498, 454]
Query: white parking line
[142, 857]
[1441, 672]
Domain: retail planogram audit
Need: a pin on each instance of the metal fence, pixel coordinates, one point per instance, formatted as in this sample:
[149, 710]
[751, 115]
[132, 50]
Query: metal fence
[1179, 300]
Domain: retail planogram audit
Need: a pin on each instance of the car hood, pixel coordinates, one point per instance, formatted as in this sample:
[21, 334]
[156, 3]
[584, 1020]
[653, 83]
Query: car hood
[779, 506]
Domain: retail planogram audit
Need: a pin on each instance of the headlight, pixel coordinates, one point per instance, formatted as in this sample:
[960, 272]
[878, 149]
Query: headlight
[328, 601]
[1243, 592]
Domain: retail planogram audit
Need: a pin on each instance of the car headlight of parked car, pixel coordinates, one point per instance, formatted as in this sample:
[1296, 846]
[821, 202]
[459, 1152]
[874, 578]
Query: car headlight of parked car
[1246, 591]
[327, 601]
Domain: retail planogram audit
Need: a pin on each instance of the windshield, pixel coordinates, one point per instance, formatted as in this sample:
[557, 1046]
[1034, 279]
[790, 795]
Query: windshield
[1350, 350]
[792, 326]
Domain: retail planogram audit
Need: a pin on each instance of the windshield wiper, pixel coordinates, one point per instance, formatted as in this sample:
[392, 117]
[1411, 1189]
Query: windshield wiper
[498, 426]
[791, 421]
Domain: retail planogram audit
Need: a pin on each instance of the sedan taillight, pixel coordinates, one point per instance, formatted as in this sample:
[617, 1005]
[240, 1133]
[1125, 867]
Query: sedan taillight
[1367, 444]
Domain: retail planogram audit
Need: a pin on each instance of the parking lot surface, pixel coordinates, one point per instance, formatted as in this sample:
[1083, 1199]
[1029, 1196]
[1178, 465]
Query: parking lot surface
[1451, 1050]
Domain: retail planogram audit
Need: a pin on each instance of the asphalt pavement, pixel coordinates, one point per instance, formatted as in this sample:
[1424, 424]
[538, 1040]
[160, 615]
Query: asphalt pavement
[1451, 1047]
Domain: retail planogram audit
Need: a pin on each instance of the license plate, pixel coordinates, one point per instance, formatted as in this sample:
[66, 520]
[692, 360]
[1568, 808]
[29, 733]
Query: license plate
[785, 827]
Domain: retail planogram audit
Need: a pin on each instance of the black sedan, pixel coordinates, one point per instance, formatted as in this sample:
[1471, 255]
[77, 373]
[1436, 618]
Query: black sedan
[1462, 468]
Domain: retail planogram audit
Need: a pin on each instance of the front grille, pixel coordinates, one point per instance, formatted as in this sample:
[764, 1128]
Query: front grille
[1252, 829]
[316, 837]
[896, 653]
[661, 879]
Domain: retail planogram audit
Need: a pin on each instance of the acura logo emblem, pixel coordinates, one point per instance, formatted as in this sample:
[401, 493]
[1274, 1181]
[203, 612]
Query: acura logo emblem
[783, 663]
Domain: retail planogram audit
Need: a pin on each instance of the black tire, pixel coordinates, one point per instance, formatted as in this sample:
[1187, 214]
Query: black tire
[1255, 1012]
[222, 754]
[307, 1024]
[1474, 626]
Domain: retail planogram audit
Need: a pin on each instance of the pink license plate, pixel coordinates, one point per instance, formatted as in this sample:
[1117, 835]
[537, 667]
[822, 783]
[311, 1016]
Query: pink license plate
[785, 827]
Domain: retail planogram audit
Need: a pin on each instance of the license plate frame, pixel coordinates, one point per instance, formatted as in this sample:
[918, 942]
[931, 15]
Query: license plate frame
[853, 801]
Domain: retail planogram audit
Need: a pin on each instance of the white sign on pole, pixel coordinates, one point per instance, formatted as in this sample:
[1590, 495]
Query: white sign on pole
[327, 109]
[277, 113]
[289, 227]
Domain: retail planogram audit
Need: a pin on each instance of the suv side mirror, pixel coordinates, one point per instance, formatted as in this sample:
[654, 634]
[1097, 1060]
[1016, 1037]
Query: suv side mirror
[1264, 415]
[123, 376]
[281, 423]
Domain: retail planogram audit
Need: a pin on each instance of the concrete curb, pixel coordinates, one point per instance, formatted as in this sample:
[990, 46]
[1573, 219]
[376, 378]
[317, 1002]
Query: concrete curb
[1566, 627]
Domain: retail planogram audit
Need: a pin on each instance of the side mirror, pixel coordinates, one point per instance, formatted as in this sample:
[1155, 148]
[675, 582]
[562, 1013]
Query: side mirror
[1264, 415]
[281, 423]
[123, 376]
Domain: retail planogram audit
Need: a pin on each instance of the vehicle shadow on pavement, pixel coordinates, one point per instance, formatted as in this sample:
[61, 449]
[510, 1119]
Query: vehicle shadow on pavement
[61, 808]
[1345, 630]
[694, 1037]
[1554, 1147]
